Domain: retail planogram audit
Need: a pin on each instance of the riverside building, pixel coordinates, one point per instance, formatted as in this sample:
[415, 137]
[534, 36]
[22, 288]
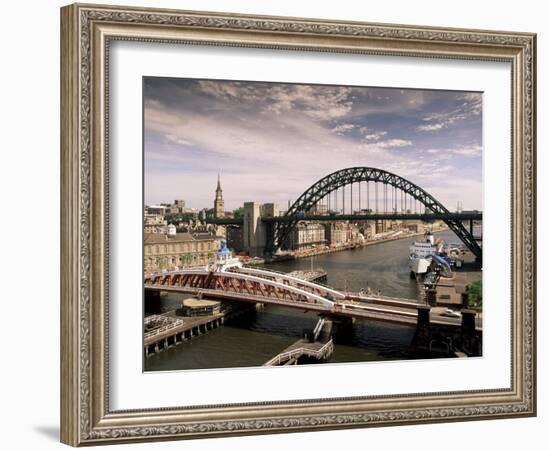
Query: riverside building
[168, 251]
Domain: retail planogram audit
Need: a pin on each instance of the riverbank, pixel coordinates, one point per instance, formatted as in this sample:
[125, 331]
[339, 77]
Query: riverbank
[324, 251]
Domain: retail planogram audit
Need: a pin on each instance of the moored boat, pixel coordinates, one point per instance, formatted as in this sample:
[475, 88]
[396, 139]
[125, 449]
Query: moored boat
[420, 254]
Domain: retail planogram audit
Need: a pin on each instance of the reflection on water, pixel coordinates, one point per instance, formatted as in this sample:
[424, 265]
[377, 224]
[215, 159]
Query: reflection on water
[253, 340]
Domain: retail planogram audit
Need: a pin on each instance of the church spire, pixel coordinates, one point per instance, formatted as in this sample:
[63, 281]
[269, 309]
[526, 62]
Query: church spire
[219, 210]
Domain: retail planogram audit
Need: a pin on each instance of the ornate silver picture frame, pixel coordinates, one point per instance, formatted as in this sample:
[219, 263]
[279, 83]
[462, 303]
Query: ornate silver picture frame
[87, 33]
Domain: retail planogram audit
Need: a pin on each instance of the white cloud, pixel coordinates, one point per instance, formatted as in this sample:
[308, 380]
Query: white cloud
[471, 106]
[375, 136]
[372, 135]
[432, 126]
[320, 104]
[343, 128]
[392, 143]
[473, 102]
[472, 151]
[228, 90]
[178, 140]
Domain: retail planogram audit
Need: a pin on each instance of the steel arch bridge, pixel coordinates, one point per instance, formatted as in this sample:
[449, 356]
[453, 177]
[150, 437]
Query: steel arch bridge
[279, 234]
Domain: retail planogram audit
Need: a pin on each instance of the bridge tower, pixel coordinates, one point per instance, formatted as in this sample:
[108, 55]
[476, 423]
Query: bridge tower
[253, 229]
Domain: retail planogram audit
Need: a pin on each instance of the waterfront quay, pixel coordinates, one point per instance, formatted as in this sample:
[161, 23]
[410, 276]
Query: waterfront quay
[328, 249]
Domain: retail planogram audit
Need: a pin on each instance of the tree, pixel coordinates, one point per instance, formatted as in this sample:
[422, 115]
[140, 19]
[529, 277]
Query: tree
[238, 213]
[475, 294]
[186, 258]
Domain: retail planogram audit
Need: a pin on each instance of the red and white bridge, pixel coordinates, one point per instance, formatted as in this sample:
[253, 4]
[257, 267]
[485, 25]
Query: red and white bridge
[227, 279]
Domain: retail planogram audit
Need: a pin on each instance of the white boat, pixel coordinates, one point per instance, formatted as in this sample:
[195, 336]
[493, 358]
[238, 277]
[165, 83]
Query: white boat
[420, 265]
[420, 254]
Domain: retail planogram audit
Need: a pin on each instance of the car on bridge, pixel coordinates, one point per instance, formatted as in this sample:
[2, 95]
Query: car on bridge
[448, 312]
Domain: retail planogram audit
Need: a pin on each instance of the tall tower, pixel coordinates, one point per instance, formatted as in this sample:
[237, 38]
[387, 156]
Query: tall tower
[219, 209]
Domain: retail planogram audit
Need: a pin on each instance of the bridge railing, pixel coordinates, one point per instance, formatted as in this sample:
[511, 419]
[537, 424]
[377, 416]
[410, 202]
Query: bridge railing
[375, 296]
[183, 269]
[287, 274]
[313, 303]
[251, 266]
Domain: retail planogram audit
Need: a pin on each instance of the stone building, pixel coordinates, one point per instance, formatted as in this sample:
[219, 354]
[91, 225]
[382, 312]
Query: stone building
[154, 224]
[162, 251]
[335, 233]
[180, 204]
[414, 226]
[368, 229]
[158, 210]
[307, 234]
[341, 233]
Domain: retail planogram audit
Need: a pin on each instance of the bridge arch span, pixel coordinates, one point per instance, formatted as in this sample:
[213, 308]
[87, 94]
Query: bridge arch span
[349, 176]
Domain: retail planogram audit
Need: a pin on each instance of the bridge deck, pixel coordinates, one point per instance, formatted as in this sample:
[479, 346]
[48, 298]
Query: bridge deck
[284, 290]
[466, 216]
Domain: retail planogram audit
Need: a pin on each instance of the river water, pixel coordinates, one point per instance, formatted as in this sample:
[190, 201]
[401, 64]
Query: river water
[253, 340]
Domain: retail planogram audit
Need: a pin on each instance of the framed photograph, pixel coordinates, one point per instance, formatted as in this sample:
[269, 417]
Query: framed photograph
[276, 225]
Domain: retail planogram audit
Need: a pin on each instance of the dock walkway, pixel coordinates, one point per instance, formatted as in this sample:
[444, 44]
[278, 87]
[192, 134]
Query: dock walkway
[300, 348]
[169, 329]
[309, 275]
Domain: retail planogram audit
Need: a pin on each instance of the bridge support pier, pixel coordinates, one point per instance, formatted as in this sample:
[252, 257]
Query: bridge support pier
[327, 330]
[423, 333]
[431, 297]
[342, 328]
[152, 301]
[471, 340]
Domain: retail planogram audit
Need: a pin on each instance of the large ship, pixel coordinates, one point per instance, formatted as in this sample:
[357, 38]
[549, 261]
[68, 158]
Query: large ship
[421, 252]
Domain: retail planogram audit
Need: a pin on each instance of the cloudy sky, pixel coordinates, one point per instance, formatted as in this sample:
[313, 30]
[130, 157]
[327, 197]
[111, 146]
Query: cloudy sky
[271, 141]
